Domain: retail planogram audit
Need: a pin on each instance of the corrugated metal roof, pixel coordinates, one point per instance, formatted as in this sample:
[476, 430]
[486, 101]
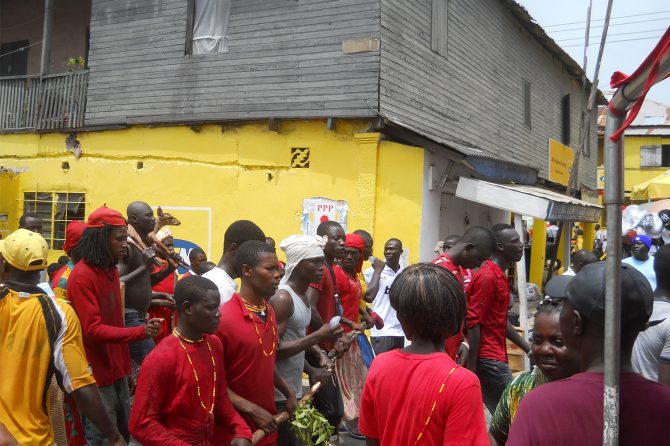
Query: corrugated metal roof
[653, 119]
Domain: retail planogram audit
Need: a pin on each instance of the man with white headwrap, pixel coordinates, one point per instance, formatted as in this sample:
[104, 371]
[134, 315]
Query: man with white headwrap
[304, 254]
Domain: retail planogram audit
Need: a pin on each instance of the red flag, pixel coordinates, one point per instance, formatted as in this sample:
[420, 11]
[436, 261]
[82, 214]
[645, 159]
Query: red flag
[619, 80]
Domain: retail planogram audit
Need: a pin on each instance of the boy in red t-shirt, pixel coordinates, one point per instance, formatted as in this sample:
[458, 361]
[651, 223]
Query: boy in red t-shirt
[418, 393]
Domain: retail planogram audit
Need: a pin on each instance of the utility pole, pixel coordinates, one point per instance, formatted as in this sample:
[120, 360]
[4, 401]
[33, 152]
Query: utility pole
[46, 37]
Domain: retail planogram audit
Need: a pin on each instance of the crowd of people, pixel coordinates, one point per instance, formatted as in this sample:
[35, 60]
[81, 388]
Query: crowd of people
[114, 346]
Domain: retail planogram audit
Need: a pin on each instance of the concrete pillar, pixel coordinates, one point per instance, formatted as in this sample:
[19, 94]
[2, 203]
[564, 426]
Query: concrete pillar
[366, 202]
[538, 251]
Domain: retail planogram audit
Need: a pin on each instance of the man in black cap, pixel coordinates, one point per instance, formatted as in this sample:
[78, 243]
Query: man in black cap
[572, 409]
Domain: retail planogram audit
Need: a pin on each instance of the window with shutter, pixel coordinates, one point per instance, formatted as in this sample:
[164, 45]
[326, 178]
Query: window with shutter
[651, 156]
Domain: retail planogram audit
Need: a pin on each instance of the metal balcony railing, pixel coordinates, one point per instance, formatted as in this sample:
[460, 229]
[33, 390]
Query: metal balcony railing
[51, 102]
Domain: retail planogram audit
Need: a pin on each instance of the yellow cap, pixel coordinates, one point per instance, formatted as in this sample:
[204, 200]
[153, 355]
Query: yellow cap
[25, 250]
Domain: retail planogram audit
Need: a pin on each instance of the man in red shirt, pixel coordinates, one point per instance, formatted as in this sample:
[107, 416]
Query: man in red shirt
[181, 389]
[465, 253]
[94, 290]
[570, 411]
[248, 332]
[486, 320]
[417, 394]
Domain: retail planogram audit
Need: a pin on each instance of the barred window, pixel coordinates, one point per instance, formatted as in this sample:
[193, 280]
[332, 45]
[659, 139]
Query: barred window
[56, 210]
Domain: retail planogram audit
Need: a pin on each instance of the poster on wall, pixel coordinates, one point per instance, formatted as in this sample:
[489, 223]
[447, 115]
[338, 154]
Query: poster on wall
[318, 209]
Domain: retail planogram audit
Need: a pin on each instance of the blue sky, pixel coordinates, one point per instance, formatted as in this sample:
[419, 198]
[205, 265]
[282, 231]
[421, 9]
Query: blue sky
[635, 28]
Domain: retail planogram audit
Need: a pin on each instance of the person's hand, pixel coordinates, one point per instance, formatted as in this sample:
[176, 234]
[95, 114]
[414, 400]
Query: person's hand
[378, 264]
[168, 303]
[240, 442]
[357, 327]
[263, 419]
[342, 345]
[6, 438]
[378, 321]
[291, 403]
[329, 334]
[318, 375]
[325, 362]
[148, 256]
[153, 327]
[462, 354]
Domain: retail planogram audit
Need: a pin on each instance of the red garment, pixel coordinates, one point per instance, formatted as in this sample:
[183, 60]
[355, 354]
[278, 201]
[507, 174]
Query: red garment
[444, 260]
[164, 286]
[326, 306]
[57, 275]
[95, 295]
[249, 371]
[488, 304]
[349, 289]
[167, 410]
[399, 394]
[468, 274]
[570, 412]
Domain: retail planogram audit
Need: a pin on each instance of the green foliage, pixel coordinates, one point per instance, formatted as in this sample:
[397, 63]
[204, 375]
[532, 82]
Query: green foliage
[75, 63]
[310, 426]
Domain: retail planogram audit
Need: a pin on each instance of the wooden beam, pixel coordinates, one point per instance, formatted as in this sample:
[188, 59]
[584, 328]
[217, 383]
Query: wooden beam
[273, 124]
[330, 123]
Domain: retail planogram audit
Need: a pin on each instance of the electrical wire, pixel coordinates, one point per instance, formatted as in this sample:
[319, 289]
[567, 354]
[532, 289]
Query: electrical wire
[601, 20]
[617, 41]
[20, 49]
[618, 34]
[613, 25]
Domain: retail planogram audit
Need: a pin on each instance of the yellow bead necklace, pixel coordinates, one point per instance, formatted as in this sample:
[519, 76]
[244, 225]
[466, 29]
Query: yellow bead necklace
[432, 409]
[197, 381]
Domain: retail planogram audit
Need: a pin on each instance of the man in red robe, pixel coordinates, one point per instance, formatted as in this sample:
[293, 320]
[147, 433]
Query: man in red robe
[248, 331]
[182, 394]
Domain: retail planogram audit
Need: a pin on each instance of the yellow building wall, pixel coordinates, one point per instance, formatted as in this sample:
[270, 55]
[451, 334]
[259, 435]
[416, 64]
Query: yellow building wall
[228, 172]
[633, 173]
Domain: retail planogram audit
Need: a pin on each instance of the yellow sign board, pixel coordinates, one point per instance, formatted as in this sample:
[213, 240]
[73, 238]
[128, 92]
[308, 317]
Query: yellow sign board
[561, 158]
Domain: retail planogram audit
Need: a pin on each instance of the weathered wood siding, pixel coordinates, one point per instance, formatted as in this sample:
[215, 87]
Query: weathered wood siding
[285, 60]
[473, 96]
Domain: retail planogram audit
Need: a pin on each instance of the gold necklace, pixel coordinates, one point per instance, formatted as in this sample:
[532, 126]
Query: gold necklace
[432, 409]
[260, 340]
[197, 381]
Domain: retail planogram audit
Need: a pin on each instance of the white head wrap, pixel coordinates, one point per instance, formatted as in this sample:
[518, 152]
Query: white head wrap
[163, 233]
[300, 247]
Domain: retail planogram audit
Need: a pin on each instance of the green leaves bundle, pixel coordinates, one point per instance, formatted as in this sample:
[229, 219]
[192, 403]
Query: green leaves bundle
[310, 426]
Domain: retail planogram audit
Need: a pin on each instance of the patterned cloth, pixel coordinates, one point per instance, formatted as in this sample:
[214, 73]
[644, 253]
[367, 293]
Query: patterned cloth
[510, 400]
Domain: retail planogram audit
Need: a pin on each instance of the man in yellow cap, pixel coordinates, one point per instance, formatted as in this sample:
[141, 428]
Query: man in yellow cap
[40, 337]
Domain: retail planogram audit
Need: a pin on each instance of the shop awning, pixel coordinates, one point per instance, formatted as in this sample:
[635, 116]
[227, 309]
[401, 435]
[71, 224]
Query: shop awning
[655, 189]
[528, 200]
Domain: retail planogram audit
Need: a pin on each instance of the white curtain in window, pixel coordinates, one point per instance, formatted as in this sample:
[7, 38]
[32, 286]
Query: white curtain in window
[210, 26]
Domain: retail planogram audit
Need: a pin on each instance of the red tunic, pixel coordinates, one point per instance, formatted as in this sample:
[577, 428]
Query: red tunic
[349, 289]
[95, 295]
[326, 307]
[488, 304]
[399, 394]
[452, 343]
[164, 286]
[167, 410]
[249, 363]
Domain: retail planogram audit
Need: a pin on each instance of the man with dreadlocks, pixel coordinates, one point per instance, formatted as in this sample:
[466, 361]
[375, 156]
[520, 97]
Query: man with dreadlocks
[94, 289]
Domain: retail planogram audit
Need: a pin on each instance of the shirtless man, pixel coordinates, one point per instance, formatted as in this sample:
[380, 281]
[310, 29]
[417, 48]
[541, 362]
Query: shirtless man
[135, 270]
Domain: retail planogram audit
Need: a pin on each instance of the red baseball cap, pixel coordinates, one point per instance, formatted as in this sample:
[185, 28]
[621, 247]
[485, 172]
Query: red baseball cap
[73, 232]
[105, 216]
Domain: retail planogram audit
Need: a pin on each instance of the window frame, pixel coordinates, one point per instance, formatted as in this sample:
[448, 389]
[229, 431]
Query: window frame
[526, 103]
[54, 228]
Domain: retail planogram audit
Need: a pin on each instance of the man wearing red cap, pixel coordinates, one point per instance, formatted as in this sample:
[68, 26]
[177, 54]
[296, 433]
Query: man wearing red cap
[73, 232]
[94, 290]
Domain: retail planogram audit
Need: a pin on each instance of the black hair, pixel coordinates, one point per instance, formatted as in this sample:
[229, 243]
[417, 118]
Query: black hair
[51, 269]
[500, 227]
[326, 226]
[241, 231]
[480, 236]
[26, 216]
[205, 267]
[451, 240]
[192, 289]
[583, 257]
[365, 235]
[429, 299]
[195, 252]
[94, 247]
[250, 252]
[62, 260]
[394, 240]
[549, 306]
[662, 266]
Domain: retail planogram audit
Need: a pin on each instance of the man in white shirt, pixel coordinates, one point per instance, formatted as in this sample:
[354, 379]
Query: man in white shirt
[640, 259]
[391, 335]
[224, 274]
